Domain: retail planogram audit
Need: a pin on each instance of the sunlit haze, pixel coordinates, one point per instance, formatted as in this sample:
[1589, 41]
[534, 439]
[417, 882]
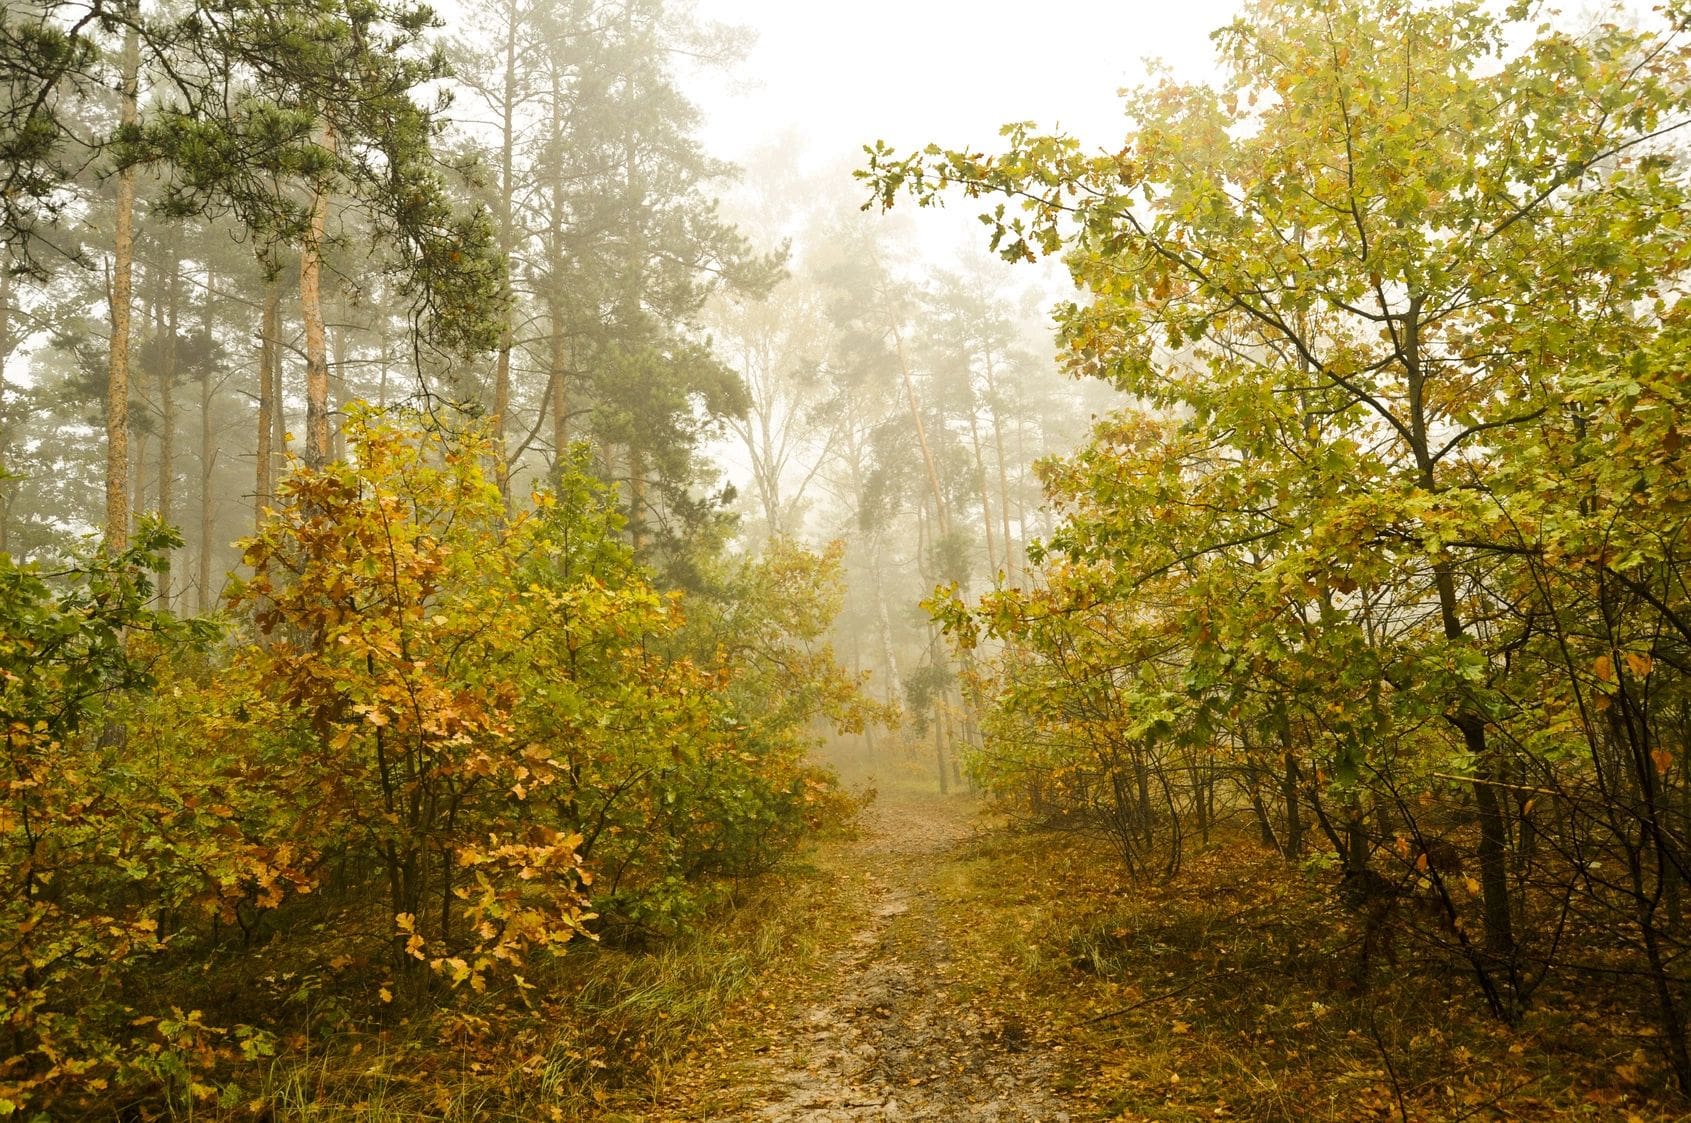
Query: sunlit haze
[846, 74]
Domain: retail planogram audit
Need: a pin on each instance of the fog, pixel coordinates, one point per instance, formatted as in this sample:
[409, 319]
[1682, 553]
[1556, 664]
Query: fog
[912, 73]
[750, 560]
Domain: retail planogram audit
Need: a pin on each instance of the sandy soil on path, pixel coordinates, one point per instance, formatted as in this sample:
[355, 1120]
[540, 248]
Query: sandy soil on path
[888, 1032]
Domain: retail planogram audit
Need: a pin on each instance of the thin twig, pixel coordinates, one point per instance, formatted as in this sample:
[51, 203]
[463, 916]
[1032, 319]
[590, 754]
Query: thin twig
[1386, 1059]
[1147, 1001]
[1499, 1098]
[1495, 783]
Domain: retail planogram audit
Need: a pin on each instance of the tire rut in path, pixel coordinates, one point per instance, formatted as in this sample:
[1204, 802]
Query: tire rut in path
[894, 1038]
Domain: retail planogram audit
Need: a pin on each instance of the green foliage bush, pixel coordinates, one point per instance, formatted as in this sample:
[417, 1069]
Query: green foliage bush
[1390, 544]
[439, 742]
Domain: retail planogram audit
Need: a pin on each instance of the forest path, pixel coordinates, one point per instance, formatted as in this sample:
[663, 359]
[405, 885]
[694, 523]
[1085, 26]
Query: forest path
[891, 1027]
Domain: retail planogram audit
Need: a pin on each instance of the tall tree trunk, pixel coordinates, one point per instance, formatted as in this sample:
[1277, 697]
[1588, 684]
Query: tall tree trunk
[942, 523]
[759, 434]
[1021, 492]
[6, 346]
[269, 408]
[208, 456]
[559, 388]
[138, 473]
[169, 316]
[279, 395]
[555, 284]
[924, 536]
[883, 620]
[939, 750]
[1289, 795]
[941, 530]
[142, 439]
[341, 342]
[986, 501]
[123, 263]
[383, 342]
[636, 497]
[502, 407]
[631, 306]
[507, 164]
[1494, 831]
[317, 450]
[1011, 560]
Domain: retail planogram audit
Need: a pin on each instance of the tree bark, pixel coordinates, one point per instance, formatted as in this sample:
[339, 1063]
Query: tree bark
[883, 620]
[507, 163]
[1010, 559]
[166, 377]
[123, 263]
[269, 408]
[558, 348]
[939, 751]
[278, 395]
[1494, 831]
[341, 345]
[636, 498]
[317, 448]
[942, 523]
[560, 394]
[1289, 794]
[208, 458]
[1021, 492]
[138, 473]
[980, 483]
[853, 457]
[6, 345]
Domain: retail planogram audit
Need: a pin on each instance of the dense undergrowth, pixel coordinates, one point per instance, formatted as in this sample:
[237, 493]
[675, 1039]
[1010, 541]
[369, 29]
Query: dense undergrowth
[599, 1035]
[312, 849]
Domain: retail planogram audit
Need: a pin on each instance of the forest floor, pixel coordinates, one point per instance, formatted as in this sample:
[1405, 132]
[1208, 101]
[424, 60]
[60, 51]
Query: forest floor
[888, 1024]
[960, 968]
[943, 963]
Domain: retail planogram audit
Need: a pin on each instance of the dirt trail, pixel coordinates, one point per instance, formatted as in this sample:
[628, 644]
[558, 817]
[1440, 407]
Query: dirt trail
[890, 1034]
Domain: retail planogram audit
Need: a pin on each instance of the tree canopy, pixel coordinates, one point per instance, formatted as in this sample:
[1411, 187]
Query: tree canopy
[1401, 302]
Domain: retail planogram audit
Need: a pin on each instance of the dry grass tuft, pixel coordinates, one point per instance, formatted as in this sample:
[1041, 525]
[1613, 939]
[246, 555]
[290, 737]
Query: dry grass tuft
[1241, 991]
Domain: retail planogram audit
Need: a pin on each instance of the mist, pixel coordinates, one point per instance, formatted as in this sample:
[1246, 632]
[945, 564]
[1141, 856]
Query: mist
[629, 559]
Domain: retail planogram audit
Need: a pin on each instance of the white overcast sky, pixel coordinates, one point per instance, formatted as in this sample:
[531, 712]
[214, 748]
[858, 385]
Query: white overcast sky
[914, 71]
